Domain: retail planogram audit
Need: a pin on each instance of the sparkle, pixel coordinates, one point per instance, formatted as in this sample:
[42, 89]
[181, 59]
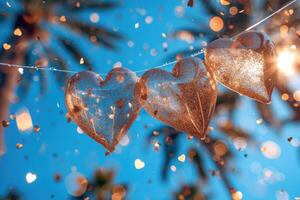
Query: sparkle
[24, 121]
[18, 32]
[81, 61]
[173, 168]
[63, 18]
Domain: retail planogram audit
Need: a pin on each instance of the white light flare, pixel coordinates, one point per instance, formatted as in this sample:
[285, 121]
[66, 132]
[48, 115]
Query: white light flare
[286, 62]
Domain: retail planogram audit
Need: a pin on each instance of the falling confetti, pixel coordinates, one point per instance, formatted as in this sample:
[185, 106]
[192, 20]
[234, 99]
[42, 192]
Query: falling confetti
[19, 145]
[79, 131]
[36, 128]
[94, 17]
[181, 158]
[24, 121]
[81, 61]
[5, 123]
[139, 164]
[156, 145]
[63, 18]
[237, 195]
[185, 36]
[30, 177]
[149, 20]
[294, 141]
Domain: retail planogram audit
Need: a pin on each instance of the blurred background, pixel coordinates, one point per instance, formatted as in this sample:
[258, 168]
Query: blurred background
[252, 151]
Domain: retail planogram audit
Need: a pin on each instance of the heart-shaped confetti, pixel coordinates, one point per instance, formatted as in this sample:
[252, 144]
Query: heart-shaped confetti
[30, 177]
[139, 164]
[244, 64]
[104, 109]
[184, 99]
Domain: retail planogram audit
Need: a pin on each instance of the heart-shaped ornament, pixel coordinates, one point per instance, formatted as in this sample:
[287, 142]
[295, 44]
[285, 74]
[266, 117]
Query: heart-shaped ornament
[245, 64]
[184, 99]
[104, 109]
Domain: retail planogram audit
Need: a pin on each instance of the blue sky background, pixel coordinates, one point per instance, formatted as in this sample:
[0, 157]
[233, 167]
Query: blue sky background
[78, 150]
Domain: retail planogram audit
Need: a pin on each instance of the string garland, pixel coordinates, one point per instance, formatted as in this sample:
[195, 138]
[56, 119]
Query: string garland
[195, 54]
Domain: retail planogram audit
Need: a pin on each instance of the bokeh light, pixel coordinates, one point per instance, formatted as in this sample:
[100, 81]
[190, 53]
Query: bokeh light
[24, 121]
[76, 184]
[285, 63]
[216, 23]
[270, 150]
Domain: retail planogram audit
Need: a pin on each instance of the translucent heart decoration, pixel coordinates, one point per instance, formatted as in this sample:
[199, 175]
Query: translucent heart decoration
[184, 99]
[244, 64]
[104, 109]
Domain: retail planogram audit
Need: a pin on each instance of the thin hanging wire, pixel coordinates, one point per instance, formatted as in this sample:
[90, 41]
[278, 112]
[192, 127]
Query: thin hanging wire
[155, 67]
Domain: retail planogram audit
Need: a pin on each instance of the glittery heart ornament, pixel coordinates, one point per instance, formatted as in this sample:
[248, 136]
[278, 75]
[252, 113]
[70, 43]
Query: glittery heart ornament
[184, 99]
[244, 64]
[104, 109]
